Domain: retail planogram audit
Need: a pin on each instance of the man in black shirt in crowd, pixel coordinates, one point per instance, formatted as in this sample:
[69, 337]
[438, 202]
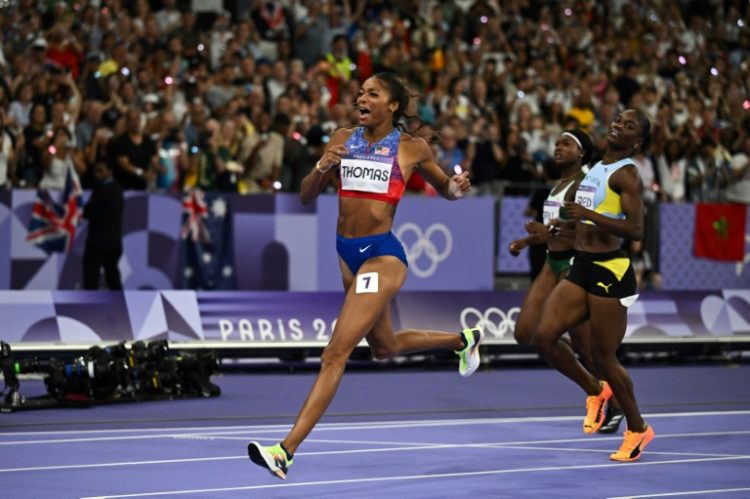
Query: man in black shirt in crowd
[135, 155]
[104, 241]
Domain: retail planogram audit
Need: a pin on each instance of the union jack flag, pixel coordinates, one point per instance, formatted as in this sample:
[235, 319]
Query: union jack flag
[53, 226]
[194, 212]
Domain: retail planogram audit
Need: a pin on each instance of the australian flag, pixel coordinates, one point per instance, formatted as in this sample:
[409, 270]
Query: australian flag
[206, 247]
[53, 225]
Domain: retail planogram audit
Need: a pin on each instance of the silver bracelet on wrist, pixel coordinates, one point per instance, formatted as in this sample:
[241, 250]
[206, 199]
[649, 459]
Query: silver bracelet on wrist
[322, 170]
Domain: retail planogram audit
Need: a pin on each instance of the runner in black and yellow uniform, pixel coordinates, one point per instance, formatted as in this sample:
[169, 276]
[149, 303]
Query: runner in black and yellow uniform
[601, 283]
[572, 153]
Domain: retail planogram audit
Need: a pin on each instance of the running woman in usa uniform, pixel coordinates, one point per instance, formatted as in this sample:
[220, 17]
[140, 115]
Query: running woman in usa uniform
[601, 283]
[374, 162]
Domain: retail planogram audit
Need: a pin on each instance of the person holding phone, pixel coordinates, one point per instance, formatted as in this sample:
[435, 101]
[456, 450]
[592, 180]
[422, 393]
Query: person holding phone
[372, 163]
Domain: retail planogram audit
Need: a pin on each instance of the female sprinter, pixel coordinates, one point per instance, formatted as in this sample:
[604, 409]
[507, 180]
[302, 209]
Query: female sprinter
[601, 283]
[573, 151]
[374, 162]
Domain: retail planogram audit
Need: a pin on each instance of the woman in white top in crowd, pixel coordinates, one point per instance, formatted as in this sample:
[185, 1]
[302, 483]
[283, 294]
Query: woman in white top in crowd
[58, 157]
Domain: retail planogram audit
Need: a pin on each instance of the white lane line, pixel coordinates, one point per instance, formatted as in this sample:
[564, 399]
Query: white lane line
[408, 423]
[405, 447]
[405, 478]
[216, 434]
[685, 493]
[650, 452]
[389, 426]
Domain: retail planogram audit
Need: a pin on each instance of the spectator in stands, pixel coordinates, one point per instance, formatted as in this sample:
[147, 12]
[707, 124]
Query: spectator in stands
[672, 167]
[134, 155]
[263, 167]
[7, 156]
[448, 154]
[58, 158]
[739, 187]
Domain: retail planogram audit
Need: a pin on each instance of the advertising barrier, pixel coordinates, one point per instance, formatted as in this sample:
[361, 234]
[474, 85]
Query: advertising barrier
[293, 319]
[276, 244]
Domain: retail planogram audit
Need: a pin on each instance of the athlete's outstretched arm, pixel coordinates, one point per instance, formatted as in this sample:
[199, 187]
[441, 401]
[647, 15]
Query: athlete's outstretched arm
[315, 181]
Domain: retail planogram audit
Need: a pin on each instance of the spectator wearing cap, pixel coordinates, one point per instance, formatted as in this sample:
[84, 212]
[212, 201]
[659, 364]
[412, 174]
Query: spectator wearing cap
[38, 50]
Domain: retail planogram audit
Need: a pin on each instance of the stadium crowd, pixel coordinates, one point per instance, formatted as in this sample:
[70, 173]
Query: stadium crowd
[241, 96]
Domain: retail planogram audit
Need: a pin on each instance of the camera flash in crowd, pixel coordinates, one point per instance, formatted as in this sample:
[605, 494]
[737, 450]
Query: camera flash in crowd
[681, 59]
[477, 41]
[746, 105]
[457, 169]
[201, 47]
[125, 71]
[714, 72]
[52, 149]
[483, 19]
[277, 185]
[168, 80]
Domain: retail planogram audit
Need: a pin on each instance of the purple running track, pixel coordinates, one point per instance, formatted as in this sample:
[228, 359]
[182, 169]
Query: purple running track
[395, 434]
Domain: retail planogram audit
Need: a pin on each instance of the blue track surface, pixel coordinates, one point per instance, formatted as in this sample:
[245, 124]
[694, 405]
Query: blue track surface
[395, 434]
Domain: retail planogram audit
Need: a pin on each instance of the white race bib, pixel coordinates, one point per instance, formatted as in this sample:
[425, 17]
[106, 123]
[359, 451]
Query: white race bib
[551, 211]
[585, 196]
[365, 175]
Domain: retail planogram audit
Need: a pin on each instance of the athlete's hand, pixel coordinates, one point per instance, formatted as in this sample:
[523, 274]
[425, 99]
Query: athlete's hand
[459, 185]
[576, 211]
[534, 227]
[332, 157]
[555, 227]
[516, 246]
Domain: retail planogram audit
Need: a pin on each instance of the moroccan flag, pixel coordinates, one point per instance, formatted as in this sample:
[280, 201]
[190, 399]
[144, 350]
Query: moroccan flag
[720, 231]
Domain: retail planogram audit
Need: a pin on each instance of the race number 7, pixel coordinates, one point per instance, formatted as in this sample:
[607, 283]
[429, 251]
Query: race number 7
[367, 283]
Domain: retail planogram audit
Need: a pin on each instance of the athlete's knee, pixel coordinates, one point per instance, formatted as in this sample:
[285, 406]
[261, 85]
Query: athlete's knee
[543, 341]
[334, 356]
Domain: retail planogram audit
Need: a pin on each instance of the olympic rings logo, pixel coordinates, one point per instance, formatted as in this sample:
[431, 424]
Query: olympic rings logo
[423, 245]
[493, 320]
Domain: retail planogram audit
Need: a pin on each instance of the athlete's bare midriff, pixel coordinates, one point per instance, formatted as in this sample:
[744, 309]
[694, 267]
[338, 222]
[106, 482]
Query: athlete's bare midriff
[360, 217]
[592, 239]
